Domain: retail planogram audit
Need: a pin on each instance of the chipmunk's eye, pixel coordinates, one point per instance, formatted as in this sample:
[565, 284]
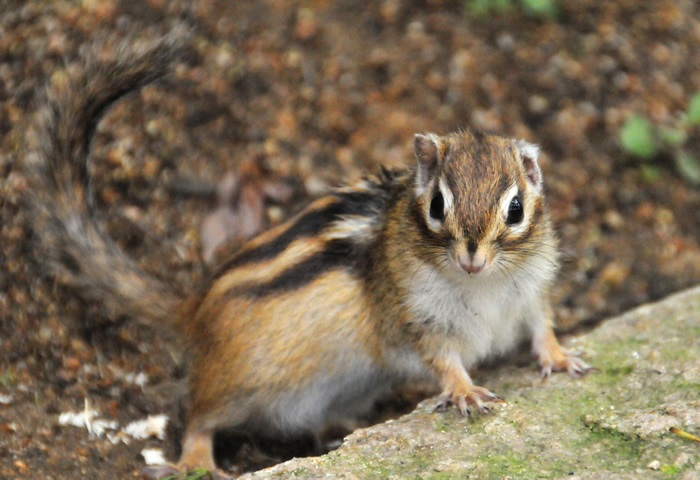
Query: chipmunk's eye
[515, 212]
[437, 207]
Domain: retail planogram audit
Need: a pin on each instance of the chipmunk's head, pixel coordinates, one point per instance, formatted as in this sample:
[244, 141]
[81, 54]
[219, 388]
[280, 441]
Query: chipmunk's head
[479, 201]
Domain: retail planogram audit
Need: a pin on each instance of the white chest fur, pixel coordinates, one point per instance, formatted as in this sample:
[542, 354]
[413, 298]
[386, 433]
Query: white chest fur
[484, 314]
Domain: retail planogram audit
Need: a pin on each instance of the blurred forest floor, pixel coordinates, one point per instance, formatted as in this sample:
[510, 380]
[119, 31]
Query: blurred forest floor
[319, 93]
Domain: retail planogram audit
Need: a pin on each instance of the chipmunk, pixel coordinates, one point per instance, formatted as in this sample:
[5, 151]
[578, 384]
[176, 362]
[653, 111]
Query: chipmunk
[410, 273]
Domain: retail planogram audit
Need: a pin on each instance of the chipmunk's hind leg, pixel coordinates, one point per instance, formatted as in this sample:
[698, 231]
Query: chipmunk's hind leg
[197, 450]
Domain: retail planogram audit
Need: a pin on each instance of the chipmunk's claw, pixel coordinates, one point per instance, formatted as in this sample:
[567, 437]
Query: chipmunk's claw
[568, 362]
[546, 372]
[577, 367]
[497, 398]
[475, 397]
[447, 400]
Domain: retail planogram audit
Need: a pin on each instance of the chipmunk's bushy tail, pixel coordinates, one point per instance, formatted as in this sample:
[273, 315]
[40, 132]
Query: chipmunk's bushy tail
[74, 243]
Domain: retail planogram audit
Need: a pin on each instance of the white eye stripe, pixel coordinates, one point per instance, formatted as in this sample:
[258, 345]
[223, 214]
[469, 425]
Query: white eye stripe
[507, 198]
[447, 196]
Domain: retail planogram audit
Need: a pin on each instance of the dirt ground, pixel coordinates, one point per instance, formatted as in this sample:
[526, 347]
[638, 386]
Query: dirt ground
[320, 93]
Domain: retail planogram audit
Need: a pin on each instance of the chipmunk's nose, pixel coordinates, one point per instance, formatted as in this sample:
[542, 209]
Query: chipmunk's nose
[472, 264]
[472, 261]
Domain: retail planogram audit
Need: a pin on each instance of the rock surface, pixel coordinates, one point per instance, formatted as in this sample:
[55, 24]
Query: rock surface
[613, 424]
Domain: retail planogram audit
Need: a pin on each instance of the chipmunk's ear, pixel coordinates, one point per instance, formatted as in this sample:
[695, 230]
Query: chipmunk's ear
[528, 154]
[428, 149]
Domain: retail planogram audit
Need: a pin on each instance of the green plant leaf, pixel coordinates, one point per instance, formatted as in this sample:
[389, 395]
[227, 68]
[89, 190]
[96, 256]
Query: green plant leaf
[674, 137]
[651, 173]
[688, 167]
[547, 8]
[196, 474]
[693, 114]
[483, 7]
[637, 137]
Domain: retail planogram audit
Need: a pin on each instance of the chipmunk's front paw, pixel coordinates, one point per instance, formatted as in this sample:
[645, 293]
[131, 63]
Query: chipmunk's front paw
[562, 359]
[475, 396]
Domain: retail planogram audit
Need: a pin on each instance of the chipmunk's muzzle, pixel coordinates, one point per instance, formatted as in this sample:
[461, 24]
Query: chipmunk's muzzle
[472, 259]
[471, 262]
